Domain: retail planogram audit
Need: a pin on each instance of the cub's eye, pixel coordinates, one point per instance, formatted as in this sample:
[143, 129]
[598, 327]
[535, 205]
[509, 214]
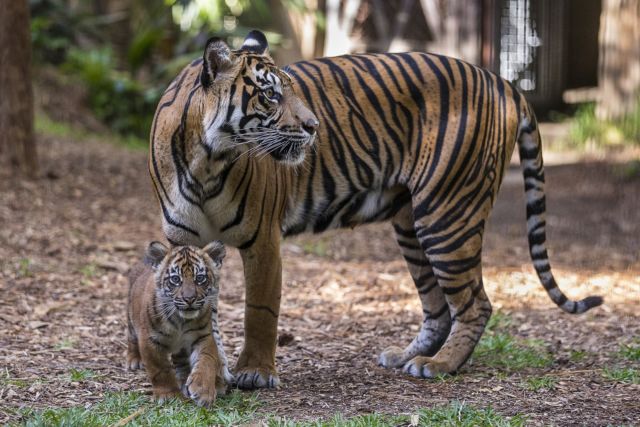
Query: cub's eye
[174, 279]
[201, 279]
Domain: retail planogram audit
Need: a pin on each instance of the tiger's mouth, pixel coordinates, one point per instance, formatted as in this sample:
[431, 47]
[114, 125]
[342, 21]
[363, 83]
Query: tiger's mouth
[189, 313]
[294, 150]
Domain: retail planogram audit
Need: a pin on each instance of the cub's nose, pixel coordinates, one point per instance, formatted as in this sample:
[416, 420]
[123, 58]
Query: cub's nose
[310, 125]
[190, 300]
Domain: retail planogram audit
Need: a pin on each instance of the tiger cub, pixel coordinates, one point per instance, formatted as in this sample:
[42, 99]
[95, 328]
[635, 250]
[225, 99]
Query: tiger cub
[173, 298]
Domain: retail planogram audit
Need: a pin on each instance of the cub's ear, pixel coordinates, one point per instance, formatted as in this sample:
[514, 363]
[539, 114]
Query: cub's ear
[216, 252]
[218, 59]
[256, 42]
[154, 254]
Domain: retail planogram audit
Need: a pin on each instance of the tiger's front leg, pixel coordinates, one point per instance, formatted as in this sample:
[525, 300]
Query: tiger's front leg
[256, 366]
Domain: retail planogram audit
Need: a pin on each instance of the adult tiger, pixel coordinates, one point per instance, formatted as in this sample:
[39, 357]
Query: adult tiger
[415, 138]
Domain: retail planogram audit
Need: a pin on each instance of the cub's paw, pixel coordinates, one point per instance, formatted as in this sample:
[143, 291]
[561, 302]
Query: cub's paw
[251, 378]
[134, 363]
[425, 367]
[392, 357]
[201, 388]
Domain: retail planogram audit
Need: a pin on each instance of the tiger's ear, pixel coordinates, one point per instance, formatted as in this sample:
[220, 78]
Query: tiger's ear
[218, 59]
[216, 252]
[154, 254]
[256, 42]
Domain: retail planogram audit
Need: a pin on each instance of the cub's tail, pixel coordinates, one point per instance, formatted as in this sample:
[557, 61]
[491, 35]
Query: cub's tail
[530, 150]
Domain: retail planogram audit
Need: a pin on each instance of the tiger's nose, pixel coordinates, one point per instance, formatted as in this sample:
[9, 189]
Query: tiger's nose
[190, 300]
[310, 125]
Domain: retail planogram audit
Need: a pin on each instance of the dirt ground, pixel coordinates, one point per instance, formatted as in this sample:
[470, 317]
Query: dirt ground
[67, 239]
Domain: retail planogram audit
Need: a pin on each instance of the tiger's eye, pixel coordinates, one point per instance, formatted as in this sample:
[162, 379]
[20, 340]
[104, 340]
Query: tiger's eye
[269, 93]
[201, 279]
[174, 279]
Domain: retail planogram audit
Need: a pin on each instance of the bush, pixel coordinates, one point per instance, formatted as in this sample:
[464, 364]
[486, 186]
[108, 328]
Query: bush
[123, 103]
[587, 129]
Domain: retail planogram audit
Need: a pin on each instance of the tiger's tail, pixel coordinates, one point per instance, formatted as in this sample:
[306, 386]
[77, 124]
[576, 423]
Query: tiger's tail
[530, 150]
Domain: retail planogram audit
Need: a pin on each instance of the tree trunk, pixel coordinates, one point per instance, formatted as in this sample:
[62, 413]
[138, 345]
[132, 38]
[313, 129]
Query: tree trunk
[17, 143]
[619, 70]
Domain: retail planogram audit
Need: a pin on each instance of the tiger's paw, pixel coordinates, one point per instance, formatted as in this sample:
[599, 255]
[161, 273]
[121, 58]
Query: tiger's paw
[425, 367]
[164, 395]
[201, 388]
[392, 357]
[259, 377]
[134, 363]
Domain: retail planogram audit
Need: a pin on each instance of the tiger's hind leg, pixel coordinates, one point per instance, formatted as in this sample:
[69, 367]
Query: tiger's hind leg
[455, 256]
[436, 321]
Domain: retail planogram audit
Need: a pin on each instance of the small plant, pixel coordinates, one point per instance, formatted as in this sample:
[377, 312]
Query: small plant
[65, 344]
[622, 375]
[77, 375]
[577, 355]
[24, 268]
[630, 351]
[540, 383]
[7, 380]
[89, 270]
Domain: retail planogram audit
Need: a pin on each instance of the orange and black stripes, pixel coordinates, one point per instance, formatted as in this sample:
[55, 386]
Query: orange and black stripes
[419, 139]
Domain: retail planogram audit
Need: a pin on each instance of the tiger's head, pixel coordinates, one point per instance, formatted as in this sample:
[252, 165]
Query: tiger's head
[250, 105]
[186, 277]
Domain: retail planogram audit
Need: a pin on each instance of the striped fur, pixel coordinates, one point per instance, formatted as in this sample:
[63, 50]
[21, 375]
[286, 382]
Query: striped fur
[173, 298]
[421, 140]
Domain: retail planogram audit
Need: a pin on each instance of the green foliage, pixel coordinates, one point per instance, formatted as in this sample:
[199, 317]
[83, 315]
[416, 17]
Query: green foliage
[123, 103]
[587, 129]
[622, 375]
[540, 383]
[77, 375]
[630, 351]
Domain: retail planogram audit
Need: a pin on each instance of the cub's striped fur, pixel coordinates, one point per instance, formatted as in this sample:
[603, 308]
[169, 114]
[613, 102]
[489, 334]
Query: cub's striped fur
[418, 139]
[173, 298]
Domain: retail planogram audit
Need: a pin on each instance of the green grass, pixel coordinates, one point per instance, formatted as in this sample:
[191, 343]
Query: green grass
[44, 125]
[238, 408]
[622, 375]
[630, 352]
[241, 408]
[540, 383]
[77, 375]
[499, 349]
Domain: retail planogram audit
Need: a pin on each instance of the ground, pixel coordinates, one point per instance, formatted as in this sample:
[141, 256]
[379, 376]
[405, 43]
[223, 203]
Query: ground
[68, 238]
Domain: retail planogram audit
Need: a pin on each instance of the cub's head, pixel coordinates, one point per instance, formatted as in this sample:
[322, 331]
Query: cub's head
[249, 103]
[186, 277]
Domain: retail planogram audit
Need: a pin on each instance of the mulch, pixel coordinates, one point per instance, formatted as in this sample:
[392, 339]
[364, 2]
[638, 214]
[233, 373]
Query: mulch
[68, 238]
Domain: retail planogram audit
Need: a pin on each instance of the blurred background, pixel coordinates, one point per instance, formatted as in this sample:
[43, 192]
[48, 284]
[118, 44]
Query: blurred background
[571, 57]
